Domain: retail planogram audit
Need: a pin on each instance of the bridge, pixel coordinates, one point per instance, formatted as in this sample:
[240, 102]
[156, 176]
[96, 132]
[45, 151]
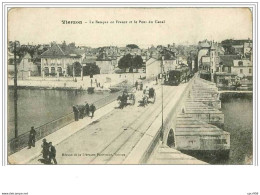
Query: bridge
[183, 118]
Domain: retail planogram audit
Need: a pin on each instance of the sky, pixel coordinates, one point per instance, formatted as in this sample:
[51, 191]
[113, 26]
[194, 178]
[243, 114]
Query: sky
[179, 25]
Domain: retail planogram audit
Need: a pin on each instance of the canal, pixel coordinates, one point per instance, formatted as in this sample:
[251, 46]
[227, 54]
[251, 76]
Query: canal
[37, 107]
[238, 113]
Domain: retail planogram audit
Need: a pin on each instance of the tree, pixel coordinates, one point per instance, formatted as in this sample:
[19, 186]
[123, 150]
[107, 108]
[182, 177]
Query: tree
[125, 62]
[77, 69]
[91, 69]
[132, 46]
[128, 61]
[137, 62]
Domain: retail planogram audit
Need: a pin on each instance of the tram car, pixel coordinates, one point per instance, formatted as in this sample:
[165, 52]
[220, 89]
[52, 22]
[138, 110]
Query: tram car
[175, 77]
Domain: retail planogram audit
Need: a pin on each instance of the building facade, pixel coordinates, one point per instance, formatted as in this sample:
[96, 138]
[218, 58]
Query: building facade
[55, 61]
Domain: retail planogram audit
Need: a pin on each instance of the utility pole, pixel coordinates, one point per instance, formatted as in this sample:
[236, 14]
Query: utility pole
[81, 72]
[23, 69]
[15, 94]
[162, 94]
[133, 70]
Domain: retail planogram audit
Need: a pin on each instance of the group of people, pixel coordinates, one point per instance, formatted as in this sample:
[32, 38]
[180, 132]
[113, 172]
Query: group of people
[80, 111]
[48, 152]
[148, 93]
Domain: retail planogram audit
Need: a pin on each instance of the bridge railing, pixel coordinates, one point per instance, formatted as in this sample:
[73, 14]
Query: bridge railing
[42, 131]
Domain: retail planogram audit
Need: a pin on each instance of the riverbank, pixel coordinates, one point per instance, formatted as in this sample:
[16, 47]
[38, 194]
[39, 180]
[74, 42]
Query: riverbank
[225, 95]
[100, 82]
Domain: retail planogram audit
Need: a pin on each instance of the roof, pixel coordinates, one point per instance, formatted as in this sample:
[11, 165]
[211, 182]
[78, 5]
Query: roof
[205, 44]
[225, 74]
[227, 60]
[237, 46]
[55, 51]
[90, 60]
[103, 57]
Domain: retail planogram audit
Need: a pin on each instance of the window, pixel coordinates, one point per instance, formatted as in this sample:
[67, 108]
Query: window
[59, 69]
[250, 70]
[46, 70]
[241, 71]
[240, 63]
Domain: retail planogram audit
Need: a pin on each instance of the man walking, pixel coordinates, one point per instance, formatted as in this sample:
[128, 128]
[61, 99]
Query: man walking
[32, 135]
[87, 109]
[81, 109]
[45, 149]
[52, 154]
[136, 85]
[76, 113]
[92, 109]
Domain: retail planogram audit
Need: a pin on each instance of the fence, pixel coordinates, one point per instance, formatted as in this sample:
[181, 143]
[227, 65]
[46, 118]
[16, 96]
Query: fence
[22, 140]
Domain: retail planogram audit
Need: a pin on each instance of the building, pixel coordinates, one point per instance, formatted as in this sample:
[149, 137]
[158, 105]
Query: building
[226, 62]
[55, 61]
[153, 67]
[237, 46]
[27, 67]
[106, 64]
[232, 69]
[208, 59]
[243, 68]
[170, 64]
[225, 80]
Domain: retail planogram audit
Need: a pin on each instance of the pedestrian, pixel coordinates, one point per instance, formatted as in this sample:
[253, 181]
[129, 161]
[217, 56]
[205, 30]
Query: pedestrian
[136, 85]
[92, 109]
[81, 111]
[32, 135]
[141, 86]
[87, 109]
[76, 113]
[96, 82]
[156, 79]
[145, 91]
[45, 149]
[52, 153]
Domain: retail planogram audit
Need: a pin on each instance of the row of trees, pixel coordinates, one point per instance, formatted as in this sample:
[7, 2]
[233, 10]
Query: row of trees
[89, 69]
[131, 62]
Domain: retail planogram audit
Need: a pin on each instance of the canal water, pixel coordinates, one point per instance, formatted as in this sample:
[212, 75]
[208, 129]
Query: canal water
[238, 112]
[238, 121]
[37, 107]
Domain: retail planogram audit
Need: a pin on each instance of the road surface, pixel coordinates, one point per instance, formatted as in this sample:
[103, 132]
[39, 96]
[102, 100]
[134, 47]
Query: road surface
[112, 138]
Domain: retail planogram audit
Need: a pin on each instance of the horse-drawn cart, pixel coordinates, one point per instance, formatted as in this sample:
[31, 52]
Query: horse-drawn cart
[127, 98]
